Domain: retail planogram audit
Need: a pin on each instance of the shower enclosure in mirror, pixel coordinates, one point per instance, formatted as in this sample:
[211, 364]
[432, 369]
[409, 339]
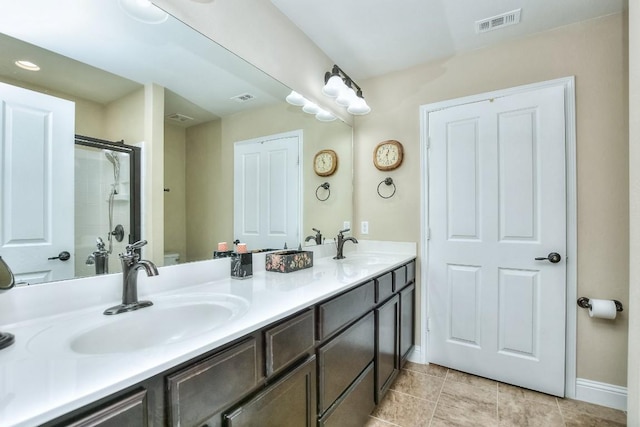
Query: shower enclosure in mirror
[107, 203]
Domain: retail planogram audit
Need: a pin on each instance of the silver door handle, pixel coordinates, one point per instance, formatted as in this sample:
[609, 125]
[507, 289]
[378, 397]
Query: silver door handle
[553, 257]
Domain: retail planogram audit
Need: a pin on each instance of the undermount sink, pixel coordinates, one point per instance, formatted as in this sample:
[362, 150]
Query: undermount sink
[171, 319]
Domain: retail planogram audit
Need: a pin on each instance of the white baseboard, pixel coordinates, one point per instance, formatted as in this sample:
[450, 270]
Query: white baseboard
[612, 396]
[416, 355]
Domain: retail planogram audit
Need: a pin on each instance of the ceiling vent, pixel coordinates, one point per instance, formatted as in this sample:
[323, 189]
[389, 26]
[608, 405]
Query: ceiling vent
[177, 117]
[498, 21]
[243, 98]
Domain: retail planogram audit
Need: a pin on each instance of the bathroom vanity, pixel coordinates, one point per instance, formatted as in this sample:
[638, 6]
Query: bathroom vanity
[318, 346]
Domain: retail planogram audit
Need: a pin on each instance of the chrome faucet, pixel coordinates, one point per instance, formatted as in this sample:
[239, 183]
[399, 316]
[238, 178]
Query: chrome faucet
[131, 263]
[340, 243]
[317, 237]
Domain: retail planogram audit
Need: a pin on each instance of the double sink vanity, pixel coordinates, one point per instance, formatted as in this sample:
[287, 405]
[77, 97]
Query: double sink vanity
[319, 346]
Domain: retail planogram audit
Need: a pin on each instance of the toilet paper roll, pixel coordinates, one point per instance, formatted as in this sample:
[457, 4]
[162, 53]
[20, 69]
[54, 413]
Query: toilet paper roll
[602, 309]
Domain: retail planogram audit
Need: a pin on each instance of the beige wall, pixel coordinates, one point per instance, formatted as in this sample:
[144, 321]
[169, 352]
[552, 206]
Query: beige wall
[175, 200]
[595, 52]
[633, 377]
[210, 173]
[205, 184]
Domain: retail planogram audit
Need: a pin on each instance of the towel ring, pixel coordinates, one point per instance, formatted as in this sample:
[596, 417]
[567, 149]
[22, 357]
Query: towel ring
[387, 181]
[326, 187]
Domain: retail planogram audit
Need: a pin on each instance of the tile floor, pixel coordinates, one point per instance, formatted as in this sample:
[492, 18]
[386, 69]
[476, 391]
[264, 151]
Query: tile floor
[434, 396]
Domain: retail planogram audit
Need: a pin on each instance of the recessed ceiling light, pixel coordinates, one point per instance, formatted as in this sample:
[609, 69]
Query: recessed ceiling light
[143, 11]
[27, 65]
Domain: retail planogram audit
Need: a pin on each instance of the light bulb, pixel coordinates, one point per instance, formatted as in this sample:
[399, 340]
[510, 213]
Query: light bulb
[359, 107]
[346, 97]
[294, 98]
[325, 116]
[310, 108]
[333, 86]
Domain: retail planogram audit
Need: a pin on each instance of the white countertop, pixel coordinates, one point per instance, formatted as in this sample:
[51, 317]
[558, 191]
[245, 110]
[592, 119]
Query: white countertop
[41, 378]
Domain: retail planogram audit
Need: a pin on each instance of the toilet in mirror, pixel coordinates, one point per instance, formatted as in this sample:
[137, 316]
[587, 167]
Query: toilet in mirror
[161, 134]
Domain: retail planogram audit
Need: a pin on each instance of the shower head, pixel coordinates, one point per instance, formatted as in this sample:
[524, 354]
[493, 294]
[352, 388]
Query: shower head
[115, 161]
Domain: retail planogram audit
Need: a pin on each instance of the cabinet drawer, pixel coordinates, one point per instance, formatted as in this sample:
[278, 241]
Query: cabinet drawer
[343, 359]
[399, 278]
[336, 313]
[384, 287]
[289, 340]
[411, 271]
[130, 411]
[205, 389]
[354, 407]
[291, 401]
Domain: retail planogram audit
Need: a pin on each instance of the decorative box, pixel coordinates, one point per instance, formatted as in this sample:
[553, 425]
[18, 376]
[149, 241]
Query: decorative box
[288, 261]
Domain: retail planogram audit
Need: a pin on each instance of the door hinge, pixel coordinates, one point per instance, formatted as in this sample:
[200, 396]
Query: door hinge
[428, 233]
[428, 324]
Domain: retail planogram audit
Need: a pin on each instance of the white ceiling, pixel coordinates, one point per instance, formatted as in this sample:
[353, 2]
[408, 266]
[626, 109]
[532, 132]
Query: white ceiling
[83, 51]
[369, 38]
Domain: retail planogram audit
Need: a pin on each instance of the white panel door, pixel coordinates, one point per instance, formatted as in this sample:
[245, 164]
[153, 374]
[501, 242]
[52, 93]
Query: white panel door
[36, 184]
[267, 191]
[496, 202]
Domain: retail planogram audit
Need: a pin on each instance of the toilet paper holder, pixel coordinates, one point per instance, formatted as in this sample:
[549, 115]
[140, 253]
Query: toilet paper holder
[584, 303]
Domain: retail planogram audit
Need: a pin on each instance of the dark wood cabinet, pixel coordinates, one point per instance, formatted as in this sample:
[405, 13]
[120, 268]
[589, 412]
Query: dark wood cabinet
[341, 310]
[289, 341]
[198, 394]
[290, 401]
[387, 345]
[129, 411]
[384, 287]
[327, 365]
[342, 359]
[352, 409]
[407, 321]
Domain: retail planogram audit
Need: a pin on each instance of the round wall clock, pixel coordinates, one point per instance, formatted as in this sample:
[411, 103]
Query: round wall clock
[387, 155]
[325, 162]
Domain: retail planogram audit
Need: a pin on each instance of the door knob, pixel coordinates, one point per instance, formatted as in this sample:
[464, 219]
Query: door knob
[62, 256]
[553, 257]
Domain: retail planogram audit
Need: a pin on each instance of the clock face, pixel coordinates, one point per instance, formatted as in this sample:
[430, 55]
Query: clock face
[325, 162]
[387, 155]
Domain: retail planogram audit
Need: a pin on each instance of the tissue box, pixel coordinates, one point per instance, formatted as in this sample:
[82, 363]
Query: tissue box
[288, 261]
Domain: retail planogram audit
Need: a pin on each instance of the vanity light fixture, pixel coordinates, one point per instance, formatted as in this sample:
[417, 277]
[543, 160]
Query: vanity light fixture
[309, 107]
[338, 85]
[143, 11]
[27, 65]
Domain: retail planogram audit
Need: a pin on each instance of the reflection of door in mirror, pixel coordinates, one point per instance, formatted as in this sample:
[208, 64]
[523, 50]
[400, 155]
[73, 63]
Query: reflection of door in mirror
[36, 184]
[267, 191]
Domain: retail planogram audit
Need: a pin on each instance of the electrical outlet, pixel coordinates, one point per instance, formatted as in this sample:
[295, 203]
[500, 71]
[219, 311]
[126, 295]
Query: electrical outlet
[364, 227]
[346, 224]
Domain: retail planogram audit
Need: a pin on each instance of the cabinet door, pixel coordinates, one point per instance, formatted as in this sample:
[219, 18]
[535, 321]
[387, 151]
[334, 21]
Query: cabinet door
[355, 405]
[130, 411]
[407, 322]
[201, 392]
[387, 342]
[291, 401]
[343, 358]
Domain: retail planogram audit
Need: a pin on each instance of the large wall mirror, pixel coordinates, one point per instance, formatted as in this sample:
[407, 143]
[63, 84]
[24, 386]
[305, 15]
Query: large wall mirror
[126, 73]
